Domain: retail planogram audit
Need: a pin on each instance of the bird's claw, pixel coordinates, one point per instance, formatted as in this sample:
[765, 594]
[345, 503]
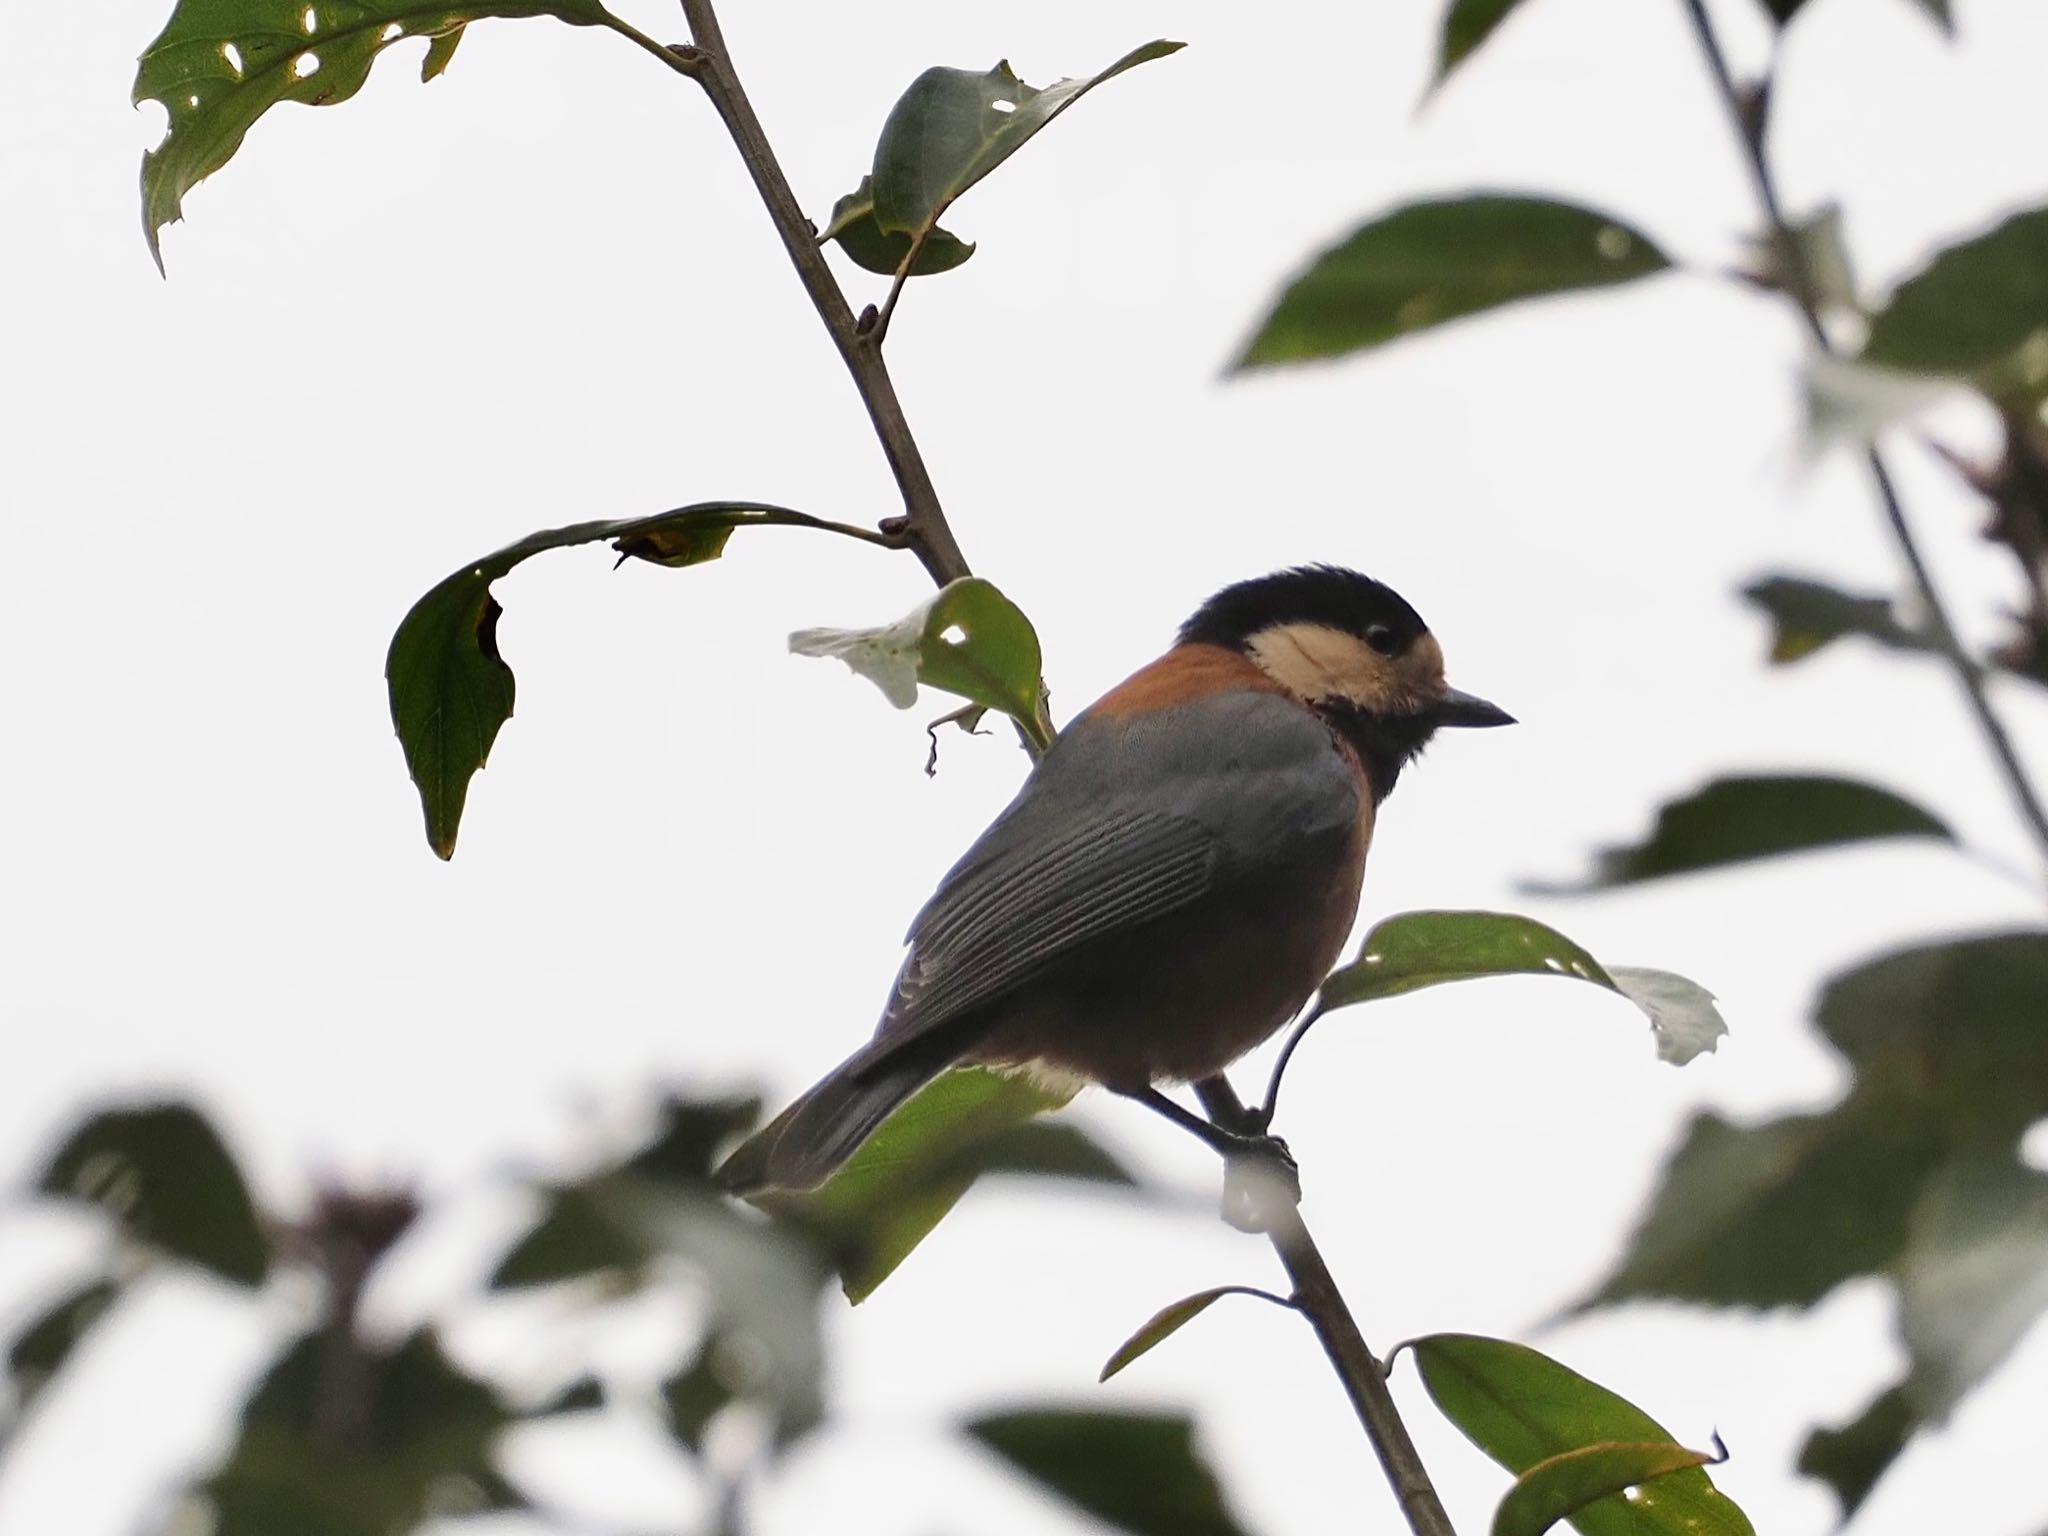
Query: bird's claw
[1260, 1179]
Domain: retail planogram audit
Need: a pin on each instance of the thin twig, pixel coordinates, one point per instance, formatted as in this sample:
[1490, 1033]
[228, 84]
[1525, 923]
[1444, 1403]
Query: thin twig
[1969, 673]
[1263, 1115]
[708, 62]
[1317, 1298]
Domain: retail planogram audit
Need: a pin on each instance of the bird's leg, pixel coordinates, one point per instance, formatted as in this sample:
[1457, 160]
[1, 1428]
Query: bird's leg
[1257, 1168]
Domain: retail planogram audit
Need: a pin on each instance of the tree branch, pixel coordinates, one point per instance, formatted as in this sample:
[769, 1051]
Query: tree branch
[1970, 674]
[1317, 1298]
[706, 60]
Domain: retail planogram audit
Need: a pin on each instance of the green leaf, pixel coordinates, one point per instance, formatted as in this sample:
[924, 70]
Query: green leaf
[41, 1349]
[697, 1394]
[583, 1395]
[450, 689]
[899, 1185]
[1162, 1325]
[953, 126]
[347, 1439]
[1467, 24]
[1522, 1408]
[168, 1181]
[1851, 1459]
[1429, 263]
[1808, 615]
[1978, 309]
[219, 65]
[1559, 1488]
[440, 54]
[1136, 1472]
[1738, 819]
[875, 249]
[578, 1236]
[968, 639]
[1414, 950]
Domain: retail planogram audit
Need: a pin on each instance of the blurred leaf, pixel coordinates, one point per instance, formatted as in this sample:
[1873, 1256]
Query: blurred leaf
[874, 249]
[578, 1236]
[1559, 1488]
[1808, 260]
[968, 639]
[1522, 1408]
[1810, 614]
[219, 65]
[693, 1134]
[1736, 819]
[40, 1350]
[1425, 949]
[1974, 1278]
[1467, 24]
[1429, 263]
[953, 126]
[880, 1205]
[451, 690]
[1137, 1472]
[1851, 1459]
[168, 1181]
[344, 1439]
[1978, 309]
[1938, 10]
[1163, 1324]
[1783, 11]
[695, 1395]
[583, 1395]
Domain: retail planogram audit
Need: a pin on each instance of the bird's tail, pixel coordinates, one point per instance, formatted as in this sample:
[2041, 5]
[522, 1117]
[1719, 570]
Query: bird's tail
[805, 1144]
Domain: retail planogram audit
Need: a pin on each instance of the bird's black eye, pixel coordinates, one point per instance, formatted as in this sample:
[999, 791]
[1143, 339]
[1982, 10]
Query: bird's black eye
[1382, 639]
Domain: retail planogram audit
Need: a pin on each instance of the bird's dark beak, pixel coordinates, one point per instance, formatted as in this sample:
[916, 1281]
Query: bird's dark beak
[1461, 708]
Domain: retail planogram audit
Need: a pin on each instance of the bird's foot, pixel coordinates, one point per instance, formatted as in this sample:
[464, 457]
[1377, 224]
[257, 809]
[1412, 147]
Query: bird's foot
[1260, 1182]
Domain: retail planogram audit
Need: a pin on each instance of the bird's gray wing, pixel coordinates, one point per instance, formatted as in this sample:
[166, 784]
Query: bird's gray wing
[1123, 823]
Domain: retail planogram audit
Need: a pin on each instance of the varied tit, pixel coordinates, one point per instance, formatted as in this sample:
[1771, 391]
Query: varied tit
[1176, 876]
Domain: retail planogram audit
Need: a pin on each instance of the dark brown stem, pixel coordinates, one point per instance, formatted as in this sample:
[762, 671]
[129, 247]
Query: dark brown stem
[1317, 1298]
[1969, 673]
[707, 61]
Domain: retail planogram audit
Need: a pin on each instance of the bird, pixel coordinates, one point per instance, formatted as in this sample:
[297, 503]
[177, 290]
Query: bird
[1175, 878]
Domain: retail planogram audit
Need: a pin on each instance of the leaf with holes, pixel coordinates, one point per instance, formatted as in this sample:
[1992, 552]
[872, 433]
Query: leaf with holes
[1732, 821]
[219, 65]
[450, 689]
[1136, 1472]
[1979, 310]
[949, 130]
[1522, 1408]
[167, 1180]
[1429, 263]
[1426, 949]
[968, 639]
[875, 249]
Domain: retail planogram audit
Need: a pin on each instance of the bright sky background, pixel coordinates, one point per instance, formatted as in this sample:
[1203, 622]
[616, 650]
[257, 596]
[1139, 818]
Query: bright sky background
[403, 332]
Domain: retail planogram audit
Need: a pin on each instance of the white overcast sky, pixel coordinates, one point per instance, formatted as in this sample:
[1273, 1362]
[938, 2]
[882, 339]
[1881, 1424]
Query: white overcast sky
[404, 331]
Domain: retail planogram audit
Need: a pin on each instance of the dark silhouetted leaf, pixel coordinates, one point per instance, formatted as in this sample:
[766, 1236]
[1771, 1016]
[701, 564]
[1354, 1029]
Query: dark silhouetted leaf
[914, 1169]
[1163, 1324]
[1522, 1408]
[1425, 949]
[1559, 1488]
[952, 127]
[1979, 309]
[1467, 24]
[1138, 1472]
[451, 690]
[1733, 820]
[692, 1135]
[583, 1395]
[1810, 614]
[219, 65]
[1429, 263]
[695, 1395]
[575, 1238]
[164, 1175]
[1851, 1459]
[874, 249]
[41, 1349]
[968, 639]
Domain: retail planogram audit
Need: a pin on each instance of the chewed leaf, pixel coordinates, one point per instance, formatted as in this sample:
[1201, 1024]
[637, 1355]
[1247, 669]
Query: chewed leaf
[969, 639]
[950, 129]
[219, 65]
[1426, 949]
[450, 689]
[878, 250]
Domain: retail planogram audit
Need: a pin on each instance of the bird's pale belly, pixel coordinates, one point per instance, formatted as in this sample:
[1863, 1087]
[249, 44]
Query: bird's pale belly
[1183, 997]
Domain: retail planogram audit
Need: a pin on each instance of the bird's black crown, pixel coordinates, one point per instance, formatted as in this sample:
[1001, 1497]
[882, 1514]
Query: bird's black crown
[1306, 594]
